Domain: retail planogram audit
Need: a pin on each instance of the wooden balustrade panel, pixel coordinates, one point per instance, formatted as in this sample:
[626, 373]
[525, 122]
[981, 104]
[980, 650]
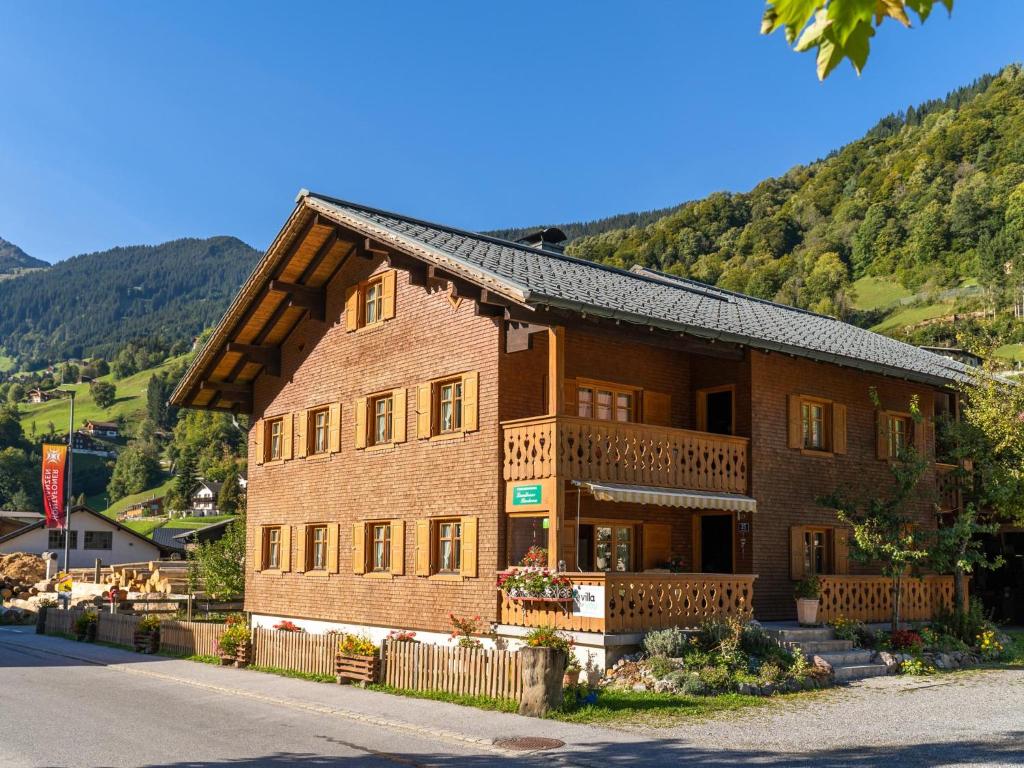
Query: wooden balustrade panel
[529, 449]
[466, 671]
[642, 602]
[869, 598]
[531, 613]
[190, 638]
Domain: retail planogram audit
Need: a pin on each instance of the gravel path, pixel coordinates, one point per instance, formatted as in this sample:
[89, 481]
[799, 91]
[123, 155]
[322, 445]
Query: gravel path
[967, 718]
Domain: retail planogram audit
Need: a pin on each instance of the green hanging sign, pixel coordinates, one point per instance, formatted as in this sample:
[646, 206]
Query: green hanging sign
[527, 495]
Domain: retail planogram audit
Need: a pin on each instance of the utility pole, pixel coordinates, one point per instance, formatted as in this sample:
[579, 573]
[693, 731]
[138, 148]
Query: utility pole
[71, 453]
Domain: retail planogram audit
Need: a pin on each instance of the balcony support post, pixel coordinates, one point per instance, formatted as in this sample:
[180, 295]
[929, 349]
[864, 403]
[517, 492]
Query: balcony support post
[556, 406]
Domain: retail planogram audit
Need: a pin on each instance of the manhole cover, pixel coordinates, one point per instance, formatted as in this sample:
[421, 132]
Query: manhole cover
[528, 743]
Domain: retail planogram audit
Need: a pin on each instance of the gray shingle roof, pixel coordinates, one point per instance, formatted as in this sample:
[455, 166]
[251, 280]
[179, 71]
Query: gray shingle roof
[647, 297]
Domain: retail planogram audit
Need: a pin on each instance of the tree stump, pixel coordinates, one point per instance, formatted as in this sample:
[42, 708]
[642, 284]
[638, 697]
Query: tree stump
[543, 669]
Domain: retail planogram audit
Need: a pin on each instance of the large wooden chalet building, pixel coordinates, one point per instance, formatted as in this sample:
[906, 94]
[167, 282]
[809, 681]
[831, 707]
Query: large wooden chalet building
[428, 404]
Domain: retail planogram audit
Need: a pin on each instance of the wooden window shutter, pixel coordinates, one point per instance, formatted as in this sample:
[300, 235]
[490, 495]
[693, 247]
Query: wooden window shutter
[882, 434]
[286, 547]
[301, 442]
[398, 547]
[261, 546]
[657, 538]
[841, 550]
[922, 436]
[388, 294]
[470, 401]
[259, 429]
[303, 561]
[569, 545]
[287, 436]
[468, 566]
[398, 405]
[335, 427]
[422, 547]
[657, 408]
[332, 547]
[838, 428]
[360, 422]
[569, 397]
[359, 548]
[796, 552]
[352, 308]
[796, 423]
[423, 412]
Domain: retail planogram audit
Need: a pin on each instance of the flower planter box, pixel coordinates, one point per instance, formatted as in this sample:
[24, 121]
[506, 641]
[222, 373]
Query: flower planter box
[243, 657]
[146, 642]
[356, 669]
[528, 599]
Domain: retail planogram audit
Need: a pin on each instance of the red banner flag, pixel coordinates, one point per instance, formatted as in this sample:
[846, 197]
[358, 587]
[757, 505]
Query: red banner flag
[54, 458]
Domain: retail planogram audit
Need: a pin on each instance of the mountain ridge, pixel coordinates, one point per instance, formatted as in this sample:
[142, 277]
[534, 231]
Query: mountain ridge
[14, 259]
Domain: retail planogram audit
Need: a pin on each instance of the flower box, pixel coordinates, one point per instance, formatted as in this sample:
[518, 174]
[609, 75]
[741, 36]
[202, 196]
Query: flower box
[532, 599]
[146, 641]
[243, 657]
[356, 669]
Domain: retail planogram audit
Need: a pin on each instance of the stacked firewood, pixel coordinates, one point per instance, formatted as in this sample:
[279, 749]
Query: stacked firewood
[20, 574]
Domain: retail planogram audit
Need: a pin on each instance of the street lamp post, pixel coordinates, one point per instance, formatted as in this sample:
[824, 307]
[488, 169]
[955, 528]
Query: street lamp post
[71, 453]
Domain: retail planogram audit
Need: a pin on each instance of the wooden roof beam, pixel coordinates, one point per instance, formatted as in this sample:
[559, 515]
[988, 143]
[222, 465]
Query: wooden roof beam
[302, 296]
[268, 357]
[229, 389]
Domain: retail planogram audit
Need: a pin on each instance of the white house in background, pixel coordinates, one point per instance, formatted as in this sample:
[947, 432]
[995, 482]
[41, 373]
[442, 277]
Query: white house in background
[92, 536]
[204, 500]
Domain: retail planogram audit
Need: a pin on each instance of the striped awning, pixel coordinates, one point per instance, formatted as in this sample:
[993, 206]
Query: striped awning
[668, 497]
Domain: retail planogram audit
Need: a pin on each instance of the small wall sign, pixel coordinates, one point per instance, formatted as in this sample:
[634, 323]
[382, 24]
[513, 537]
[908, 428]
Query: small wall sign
[588, 601]
[527, 495]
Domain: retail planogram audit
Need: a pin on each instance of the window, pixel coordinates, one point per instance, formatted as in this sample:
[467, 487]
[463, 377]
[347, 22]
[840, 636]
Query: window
[275, 439]
[449, 410]
[613, 547]
[272, 548]
[319, 431]
[317, 547]
[56, 540]
[373, 301]
[813, 420]
[817, 551]
[897, 434]
[594, 401]
[380, 556]
[449, 546]
[99, 540]
[381, 409]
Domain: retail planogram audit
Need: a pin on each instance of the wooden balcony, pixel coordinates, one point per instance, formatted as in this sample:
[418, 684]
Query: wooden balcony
[637, 602]
[575, 448]
[869, 598]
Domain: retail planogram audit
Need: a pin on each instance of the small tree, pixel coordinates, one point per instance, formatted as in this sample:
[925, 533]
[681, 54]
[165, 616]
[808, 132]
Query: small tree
[220, 565]
[883, 526]
[186, 481]
[229, 497]
[103, 393]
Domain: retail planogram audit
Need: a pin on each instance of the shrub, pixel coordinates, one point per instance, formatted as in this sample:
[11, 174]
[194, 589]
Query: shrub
[808, 588]
[548, 637]
[463, 630]
[235, 636]
[85, 621]
[905, 639]
[688, 683]
[756, 641]
[671, 643]
[770, 674]
[916, 666]
[717, 679]
[149, 623]
[660, 667]
[988, 646]
[847, 629]
[356, 645]
[963, 625]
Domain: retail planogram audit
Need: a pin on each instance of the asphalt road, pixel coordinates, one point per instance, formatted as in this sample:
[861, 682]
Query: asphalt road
[69, 704]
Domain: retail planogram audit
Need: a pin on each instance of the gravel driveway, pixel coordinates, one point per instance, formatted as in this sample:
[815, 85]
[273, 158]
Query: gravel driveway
[967, 718]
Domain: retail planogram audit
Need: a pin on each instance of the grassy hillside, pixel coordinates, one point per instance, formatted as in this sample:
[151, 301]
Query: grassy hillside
[6, 363]
[130, 402]
[122, 504]
[874, 293]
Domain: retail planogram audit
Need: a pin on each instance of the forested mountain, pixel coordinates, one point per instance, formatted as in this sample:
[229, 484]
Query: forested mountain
[95, 303]
[12, 259]
[931, 196]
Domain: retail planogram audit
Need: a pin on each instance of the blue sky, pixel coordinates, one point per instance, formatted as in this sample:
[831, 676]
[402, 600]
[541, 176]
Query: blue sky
[138, 123]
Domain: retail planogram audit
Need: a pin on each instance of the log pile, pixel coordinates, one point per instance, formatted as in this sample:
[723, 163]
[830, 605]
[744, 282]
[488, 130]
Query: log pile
[19, 575]
[154, 578]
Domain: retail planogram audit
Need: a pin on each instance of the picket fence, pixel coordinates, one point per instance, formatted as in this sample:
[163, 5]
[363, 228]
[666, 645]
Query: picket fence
[296, 651]
[117, 628]
[190, 638]
[467, 671]
[61, 622]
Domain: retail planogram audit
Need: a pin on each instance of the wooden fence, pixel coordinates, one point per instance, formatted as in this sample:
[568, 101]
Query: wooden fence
[190, 638]
[869, 598]
[298, 651]
[117, 628]
[466, 671]
[61, 622]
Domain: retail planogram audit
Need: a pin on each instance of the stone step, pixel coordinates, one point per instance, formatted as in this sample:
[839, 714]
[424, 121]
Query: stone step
[803, 634]
[845, 658]
[859, 672]
[812, 647]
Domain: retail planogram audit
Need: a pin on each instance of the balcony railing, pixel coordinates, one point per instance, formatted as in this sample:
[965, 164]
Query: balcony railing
[606, 451]
[637, 602]
[869, 598]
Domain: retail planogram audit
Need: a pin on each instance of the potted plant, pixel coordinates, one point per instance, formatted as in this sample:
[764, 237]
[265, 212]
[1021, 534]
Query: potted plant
[545, 657]
[147, 634]
[233, 646]
[288, 626]
[402, 636]
[808, 592]
[535, 584]
[85, 626]
[357, 660]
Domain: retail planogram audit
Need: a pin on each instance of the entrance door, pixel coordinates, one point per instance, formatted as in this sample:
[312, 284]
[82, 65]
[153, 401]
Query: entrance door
[716, 543]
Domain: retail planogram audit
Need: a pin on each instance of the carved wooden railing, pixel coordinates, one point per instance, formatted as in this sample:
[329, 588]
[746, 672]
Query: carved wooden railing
[617, 452]
[869, 598]
[639, 602]
[948, 488]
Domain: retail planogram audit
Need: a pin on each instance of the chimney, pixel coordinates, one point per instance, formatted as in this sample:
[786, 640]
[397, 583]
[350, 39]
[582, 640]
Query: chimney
[551, 239]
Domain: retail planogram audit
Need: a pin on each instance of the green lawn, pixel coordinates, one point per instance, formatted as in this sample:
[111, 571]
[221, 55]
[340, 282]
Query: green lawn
[195, 522]
[877, 293]
[130, 402]
[1010, 352]
[656, 709]
[144, 527]
[6, 363]
[913, 315]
